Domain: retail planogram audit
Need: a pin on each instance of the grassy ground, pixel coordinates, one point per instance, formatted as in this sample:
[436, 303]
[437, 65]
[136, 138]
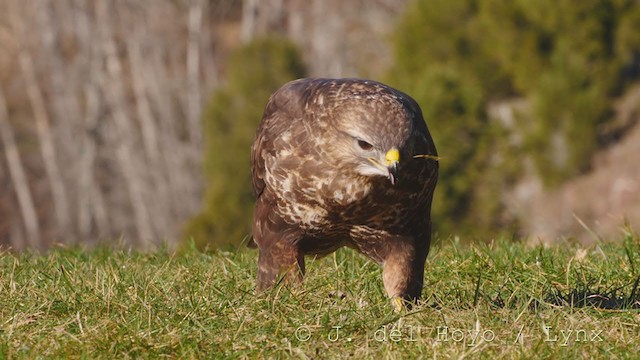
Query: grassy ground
[490, 301]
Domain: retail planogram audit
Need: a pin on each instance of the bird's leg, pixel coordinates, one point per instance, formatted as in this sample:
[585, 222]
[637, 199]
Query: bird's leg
[278, 247]
[280, 258]
[267, 271]
[403, 270]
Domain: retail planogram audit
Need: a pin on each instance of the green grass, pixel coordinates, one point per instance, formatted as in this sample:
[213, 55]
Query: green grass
[504, 300]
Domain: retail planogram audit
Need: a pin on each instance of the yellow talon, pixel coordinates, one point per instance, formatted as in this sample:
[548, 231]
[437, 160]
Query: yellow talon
[398, 304]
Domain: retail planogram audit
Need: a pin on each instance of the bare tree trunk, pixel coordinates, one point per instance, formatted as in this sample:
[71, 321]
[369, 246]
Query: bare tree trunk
[43, 128]
[149, 132]
[47, 145]
[19, 179]
[91, 203]
[175, 154]
[193, 71]
[66, 110]
[209, 69]
[249, 16]
[162, 202]
[327, 28]
[125, 132]
[264, 17]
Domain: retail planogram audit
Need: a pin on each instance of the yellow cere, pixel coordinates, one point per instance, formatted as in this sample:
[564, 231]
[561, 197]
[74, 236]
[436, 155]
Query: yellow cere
[392, 156]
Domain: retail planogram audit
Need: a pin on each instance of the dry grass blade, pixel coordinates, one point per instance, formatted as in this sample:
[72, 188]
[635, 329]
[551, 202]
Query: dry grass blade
[427, 156]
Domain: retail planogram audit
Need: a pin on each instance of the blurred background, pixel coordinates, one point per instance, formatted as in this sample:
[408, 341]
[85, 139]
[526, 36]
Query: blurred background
[132, 120]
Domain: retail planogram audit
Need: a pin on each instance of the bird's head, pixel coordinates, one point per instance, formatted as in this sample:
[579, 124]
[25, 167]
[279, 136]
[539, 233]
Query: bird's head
[377, 161]
[376, 136]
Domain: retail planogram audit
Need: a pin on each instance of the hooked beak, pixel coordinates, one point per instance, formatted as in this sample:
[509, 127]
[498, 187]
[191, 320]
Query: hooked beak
[393, 173]
[392, 159]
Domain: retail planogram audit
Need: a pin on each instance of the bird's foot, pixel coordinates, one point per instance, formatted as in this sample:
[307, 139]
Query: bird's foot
[398, 304]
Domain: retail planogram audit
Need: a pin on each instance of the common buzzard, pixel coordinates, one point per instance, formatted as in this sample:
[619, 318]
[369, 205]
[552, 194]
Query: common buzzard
[343, 162]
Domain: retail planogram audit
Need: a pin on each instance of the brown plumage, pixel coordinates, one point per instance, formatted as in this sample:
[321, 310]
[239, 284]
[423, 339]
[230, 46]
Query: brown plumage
[333, 164]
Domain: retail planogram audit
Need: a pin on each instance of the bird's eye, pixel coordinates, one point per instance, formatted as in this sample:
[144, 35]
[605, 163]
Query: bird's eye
[364, 145]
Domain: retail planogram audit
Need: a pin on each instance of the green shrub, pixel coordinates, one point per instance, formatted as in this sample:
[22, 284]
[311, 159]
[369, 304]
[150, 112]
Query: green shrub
[568, 59]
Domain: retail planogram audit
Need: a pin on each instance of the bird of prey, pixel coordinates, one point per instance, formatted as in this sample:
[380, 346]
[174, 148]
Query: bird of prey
[343, 162]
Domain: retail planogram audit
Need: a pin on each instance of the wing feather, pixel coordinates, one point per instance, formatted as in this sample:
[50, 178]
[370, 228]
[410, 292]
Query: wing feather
[282, 110]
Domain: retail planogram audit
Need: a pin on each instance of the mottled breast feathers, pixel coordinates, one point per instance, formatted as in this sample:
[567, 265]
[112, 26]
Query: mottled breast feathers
[318, 159]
